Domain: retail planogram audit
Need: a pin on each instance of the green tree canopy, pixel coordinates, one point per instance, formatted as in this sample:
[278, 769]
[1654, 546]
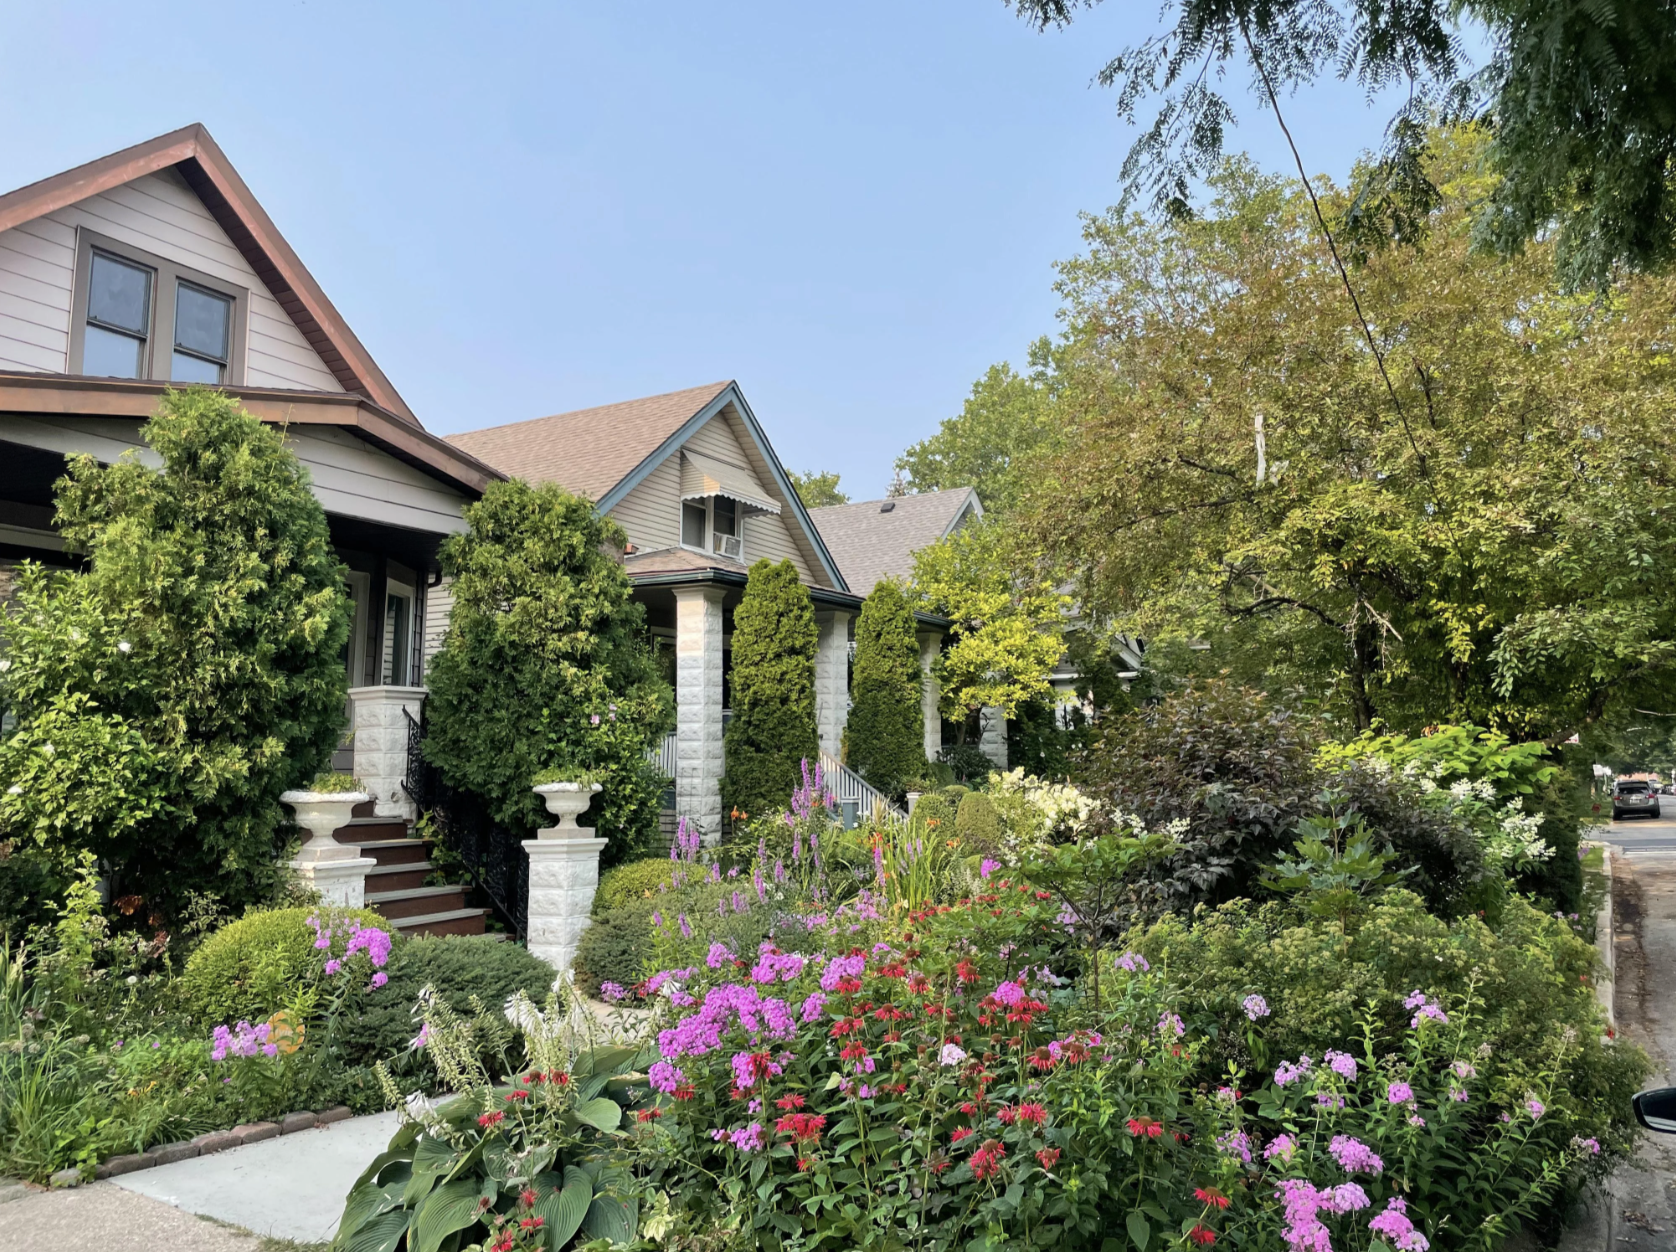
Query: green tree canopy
[1473, 526]
[1005, 424]
[773, 728]
[884, 738]
[545, 665]
[1580, 98]
[1008, 621]
[167, 692]
[818, 489]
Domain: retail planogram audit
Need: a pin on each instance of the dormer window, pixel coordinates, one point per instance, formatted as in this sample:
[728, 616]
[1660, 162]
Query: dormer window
[139, 315]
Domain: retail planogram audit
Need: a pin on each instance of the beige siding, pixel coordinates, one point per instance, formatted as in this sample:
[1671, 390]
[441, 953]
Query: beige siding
[351, 478]
[766, 534]
[158, 213]
[651, 513]
[439, 603]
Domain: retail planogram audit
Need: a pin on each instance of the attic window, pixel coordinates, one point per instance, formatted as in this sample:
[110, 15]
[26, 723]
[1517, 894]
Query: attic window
[141, 315]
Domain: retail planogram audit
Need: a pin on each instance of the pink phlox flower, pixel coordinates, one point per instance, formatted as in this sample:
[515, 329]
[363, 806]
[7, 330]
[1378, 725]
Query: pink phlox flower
[988, 866]
[1590, 1145]
[1236, 1143]
[951, 1055]
[378, 980]
[1341, 1063]
[1286, 1072]
[840, 968]
[1414, 1119]
[1328, 1100]
[1347, 1197]
[718, 956]
[421, 1039]
[1399, 1093]
[333, 966]
[723, 1008]
[1009, 993]
[748, 1139]
[1304, 1231]
[1464, 1070]
[1255, 1006]
[1170, 1022]
[1134, 962]
[664, 1077]
[1458, 1095]
[813, 1007]
[1282, 1146]
[613, 991]
[374, 942]
[1535, 1108]
[1394, 1226]
[1354, 1156]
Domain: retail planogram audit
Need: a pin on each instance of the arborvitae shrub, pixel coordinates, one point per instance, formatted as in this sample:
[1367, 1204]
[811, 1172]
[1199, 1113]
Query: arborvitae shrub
[884, 738]
[773, 728]
[976, 823]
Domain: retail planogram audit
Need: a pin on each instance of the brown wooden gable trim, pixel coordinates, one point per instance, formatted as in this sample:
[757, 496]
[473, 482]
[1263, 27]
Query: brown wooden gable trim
[214, 180]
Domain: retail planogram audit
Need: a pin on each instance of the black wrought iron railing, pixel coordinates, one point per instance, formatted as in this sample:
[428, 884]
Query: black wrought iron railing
[491, 854]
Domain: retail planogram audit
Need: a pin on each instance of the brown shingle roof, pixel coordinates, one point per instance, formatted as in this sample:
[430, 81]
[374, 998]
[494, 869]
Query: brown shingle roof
[870, 543]
[678, 561]
[588, 451]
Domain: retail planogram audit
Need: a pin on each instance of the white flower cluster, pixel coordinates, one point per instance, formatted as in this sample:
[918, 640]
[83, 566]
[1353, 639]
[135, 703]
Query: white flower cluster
[1061, 806]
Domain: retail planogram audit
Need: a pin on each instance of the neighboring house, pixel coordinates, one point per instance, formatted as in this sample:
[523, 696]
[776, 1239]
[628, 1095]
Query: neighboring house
[696, 485]
[156, 265]
[877, 539]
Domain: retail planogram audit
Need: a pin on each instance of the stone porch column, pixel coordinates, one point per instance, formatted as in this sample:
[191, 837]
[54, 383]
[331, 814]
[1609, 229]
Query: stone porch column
[929, 645]
[994, 741]
[698, 707]
[381, 745]
[832, 680]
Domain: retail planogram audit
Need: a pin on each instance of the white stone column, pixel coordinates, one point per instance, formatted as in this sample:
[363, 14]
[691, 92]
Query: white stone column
[994, 741]
[832, 680]
[698, 707]
[340, 882]
[564, 872]
[929, 645]
[381, 745]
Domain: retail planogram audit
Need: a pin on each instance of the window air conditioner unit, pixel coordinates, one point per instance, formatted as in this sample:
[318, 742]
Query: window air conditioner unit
[730, 546]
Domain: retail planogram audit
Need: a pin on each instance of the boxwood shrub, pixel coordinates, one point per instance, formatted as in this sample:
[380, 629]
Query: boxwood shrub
[255, 966]
[636, 880]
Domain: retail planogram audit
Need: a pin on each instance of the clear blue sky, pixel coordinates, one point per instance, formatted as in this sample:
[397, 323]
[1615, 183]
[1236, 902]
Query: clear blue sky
[853, 208]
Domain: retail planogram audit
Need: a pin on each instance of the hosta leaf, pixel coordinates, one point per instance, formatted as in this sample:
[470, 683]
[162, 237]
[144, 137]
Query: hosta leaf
[381, 1234]
[562, 1211]
[367, 1202]
[450, 1207]
[613, 1219]
[601, 1113]
[433, 1156]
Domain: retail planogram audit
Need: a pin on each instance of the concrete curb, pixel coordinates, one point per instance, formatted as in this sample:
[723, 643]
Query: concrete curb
[204, 1145]
[1606, 931]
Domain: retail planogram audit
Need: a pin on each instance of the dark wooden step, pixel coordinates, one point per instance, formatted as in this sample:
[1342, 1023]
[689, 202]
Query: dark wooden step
[449, 922]
[416, 901]
[395, 851]
[369, 829]
[397, 876]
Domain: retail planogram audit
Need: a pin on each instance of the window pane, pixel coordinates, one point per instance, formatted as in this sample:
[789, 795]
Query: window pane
[106, 354]
[727, 516]
[201, 321]
[119, 294]
[398, 616]
[192, 369]
[692, 525]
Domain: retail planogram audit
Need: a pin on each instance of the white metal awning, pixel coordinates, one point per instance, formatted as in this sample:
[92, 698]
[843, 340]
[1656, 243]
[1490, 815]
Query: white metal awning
[705, 476]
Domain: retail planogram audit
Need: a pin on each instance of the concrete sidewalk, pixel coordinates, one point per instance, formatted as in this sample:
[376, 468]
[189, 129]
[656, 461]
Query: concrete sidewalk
[106, 1217]
[292, 1187]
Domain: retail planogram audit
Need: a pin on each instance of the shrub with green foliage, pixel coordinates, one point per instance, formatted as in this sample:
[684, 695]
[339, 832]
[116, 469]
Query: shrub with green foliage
[884, 738]
[637, 880]
[773, 727]
[168, 691]
[458, 967]
[615, 947]
[968, 762]
[934, 808]
[976, 823]
[545, 666]
[257, 965]
[1239, 773]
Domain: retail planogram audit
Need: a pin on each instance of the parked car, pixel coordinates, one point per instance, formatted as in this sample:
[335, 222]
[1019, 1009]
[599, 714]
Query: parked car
[1656, 1109]
[1634, 797]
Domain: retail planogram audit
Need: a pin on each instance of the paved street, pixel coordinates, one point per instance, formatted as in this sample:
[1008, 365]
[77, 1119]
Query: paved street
[1643, 1207]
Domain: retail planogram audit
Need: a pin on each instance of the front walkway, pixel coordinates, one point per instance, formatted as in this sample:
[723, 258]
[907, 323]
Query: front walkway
[106, 1217]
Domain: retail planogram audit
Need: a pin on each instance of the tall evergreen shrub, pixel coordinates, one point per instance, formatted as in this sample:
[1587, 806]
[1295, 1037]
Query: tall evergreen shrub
[773, 728]
[546, 665]
[884, 738]
[168, 691]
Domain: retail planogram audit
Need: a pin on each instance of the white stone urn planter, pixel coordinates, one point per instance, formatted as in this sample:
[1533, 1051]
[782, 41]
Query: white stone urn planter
[564, 872]
[566, 801]
[337, 871]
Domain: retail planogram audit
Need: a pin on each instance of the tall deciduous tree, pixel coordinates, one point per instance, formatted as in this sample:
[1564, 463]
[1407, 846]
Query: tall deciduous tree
[818, 489]
[773, 728]
[1576, 93]
[884, 738]
[545, 665]
[169, 691]
[1008, 621]
[1473, 523]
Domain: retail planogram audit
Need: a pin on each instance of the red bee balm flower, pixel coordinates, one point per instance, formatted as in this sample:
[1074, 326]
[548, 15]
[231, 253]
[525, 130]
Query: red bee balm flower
[987, 1159]
[1049, 1157]
[1202, 1234]
[789, 1102]
[527, 1197]
[491, 1119]
[1139, 1126]
[1211, 1196]
[1035, 1114]
[962, 1132]
[802, 1127]
[517, 1095]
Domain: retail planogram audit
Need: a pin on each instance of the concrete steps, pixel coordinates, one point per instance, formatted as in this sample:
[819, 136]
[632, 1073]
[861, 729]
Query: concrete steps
[396, 885]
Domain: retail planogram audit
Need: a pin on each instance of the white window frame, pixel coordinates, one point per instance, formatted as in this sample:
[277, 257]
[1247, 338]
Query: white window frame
[708, 548]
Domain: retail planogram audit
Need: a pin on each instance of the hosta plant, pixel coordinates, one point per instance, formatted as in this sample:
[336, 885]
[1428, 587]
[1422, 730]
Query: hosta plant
[501, 1167]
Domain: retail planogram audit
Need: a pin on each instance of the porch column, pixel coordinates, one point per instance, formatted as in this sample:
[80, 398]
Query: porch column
[381, 745]
[994, 741]
[832, 680]
[929, 645]
[698, 708]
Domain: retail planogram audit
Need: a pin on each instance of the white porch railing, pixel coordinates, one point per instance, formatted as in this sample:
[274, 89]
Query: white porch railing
[663, 756]
[848, 786]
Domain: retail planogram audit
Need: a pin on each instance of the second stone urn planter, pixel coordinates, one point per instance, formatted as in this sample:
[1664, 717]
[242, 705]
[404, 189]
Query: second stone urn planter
[337, 871]
[566, 801]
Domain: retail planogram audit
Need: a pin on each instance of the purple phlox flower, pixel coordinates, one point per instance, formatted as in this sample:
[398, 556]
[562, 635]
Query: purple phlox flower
[664, 1077]
[813, 1007]
[1067, 916]
[773, 966]
[1328, 1100]
[1168, 1022]
[1535, 1108]
[1235, 1143]
[950, 1055]
[1282, 1146]
[1464, 1069]
[1302, 1203]
[988, 866]
[1399, 1093]
[374, 942]
[1590, 1145]
[1354, 1156]
[840, 968]
[1414, 1119]
[333, 966]
[1458, 1094]
[1134, 962]
[1341, 1063]
[753, 1106]
[613, 992]
[1425, 1010]
[724, 1008]
[1286, 1072]
[1347, 1197]
[1009, 993]
[719, 956]
[1394, 1226]
[1255, 1006]
[747, 1140]
[378, 980]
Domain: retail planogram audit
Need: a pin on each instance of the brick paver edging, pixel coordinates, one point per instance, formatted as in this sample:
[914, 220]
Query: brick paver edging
[218, 1141]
